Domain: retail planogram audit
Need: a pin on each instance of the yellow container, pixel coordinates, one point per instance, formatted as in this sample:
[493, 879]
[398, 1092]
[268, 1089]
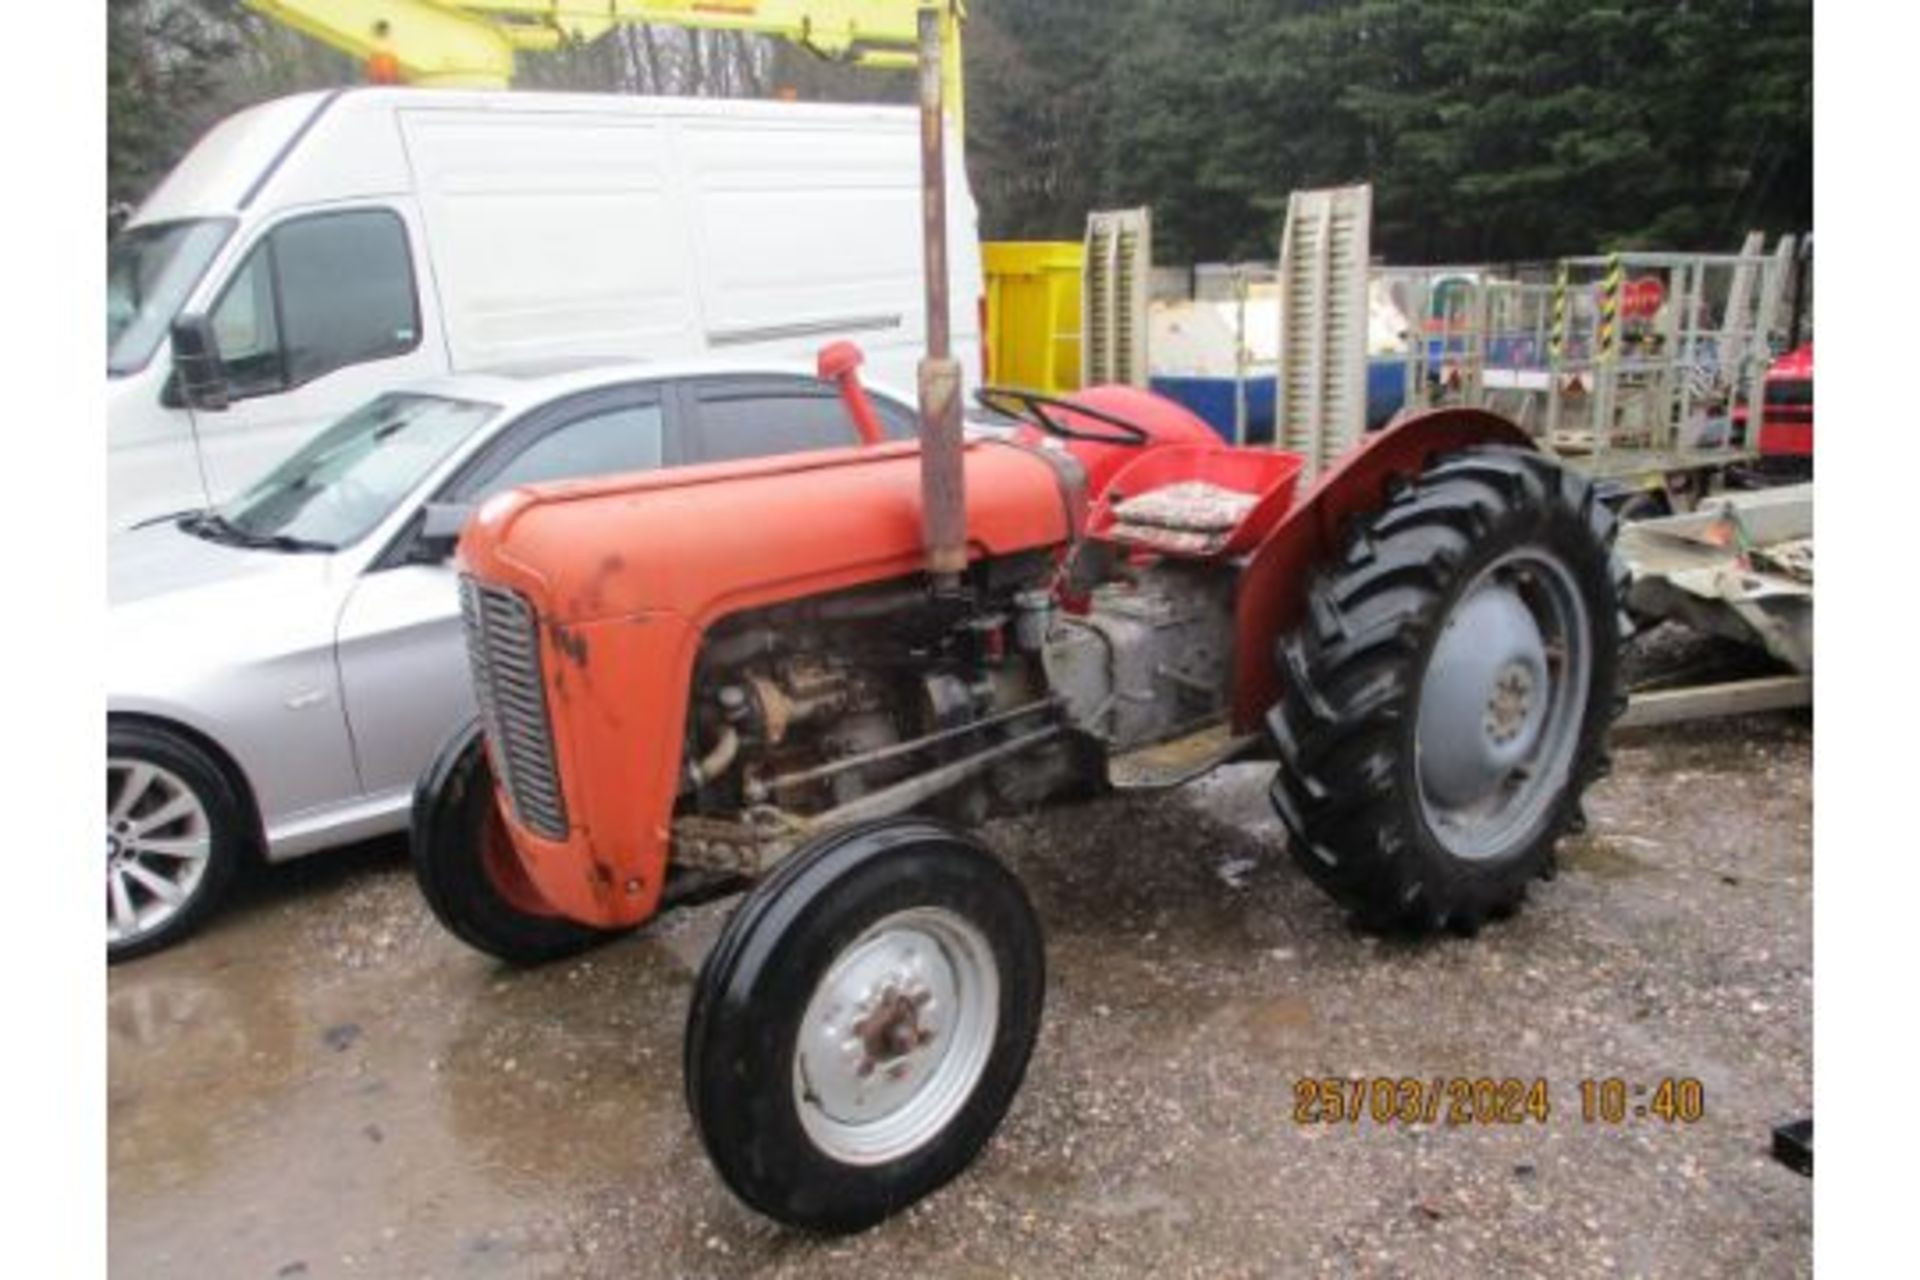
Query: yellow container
[1033, 313]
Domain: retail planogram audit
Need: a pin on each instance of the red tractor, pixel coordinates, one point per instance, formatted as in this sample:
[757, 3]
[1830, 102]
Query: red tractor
[815, 672]
[1785, 439]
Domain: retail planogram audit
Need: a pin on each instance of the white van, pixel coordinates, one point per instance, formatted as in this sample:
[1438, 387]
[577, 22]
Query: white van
[327, 245]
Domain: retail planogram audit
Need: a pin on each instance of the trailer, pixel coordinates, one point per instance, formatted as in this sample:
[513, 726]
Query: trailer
[1740, 566]
[1640, 370]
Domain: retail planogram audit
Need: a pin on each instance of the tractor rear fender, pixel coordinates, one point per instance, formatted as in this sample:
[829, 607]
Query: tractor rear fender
[1273, 587]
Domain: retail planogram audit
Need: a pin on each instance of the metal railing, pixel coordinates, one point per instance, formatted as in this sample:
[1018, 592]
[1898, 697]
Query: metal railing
[1644, 354]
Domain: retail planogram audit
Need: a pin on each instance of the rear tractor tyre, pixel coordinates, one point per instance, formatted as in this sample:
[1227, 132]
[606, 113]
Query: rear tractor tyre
[1449, 693]
[863, 1023]
[464, 862]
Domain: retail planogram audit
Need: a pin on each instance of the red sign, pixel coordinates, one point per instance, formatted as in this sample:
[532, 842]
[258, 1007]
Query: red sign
[1643, 297]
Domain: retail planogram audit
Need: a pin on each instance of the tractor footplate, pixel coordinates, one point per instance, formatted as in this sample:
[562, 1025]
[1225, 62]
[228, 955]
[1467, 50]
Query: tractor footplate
[749, 848]
[1177, 761]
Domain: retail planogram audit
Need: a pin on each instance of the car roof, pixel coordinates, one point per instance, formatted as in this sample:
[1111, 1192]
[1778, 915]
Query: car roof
[520, 386]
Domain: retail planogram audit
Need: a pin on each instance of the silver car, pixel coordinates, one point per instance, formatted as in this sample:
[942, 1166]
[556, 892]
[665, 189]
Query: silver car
[281, 668]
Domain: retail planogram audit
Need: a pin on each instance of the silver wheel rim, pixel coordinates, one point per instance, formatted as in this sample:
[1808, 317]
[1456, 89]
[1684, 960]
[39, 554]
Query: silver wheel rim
[1501, 705]
[158, 841]
[896, 1036]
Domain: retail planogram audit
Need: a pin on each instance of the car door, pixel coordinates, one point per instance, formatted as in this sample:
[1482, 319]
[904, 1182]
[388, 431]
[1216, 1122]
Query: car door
[402, 661]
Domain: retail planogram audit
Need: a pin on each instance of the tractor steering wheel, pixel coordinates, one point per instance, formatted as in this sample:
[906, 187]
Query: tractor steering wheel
[1031, 407]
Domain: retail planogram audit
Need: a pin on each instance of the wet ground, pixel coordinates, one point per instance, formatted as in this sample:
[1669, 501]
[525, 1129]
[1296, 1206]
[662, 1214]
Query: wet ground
[325, 1084]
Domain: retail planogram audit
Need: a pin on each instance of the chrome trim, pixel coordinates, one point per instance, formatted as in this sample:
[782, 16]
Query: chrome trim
[503, 644]
[802, 329]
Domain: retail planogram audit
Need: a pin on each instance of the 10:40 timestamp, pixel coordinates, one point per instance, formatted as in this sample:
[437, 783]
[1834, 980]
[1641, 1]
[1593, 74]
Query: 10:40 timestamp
[1674, 1099]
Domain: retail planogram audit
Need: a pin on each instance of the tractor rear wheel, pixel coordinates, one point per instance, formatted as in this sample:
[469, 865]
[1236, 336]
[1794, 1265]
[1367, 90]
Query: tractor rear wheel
[863, 1023]
[1449, 694]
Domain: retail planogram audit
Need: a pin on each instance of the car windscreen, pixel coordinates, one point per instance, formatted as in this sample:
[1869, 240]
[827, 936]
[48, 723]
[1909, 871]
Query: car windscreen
[150, 271]
[352, 475]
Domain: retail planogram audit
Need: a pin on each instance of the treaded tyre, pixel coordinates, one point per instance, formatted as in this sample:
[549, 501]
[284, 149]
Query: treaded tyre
[464, 863]
[1449, 692]
[176, 833]
[863, 1023]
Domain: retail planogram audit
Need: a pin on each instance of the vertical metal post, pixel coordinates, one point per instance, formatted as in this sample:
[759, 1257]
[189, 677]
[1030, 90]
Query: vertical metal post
[1687, 347]
[1240, 290]
[1557, 353]
[942, 467]
[1607, 375]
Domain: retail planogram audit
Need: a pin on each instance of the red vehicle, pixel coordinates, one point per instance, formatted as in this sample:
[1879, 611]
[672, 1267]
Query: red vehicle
[817, 671]
[1785, 440]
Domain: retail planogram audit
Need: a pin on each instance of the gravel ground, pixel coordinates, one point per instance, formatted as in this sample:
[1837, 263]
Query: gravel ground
[325, 1084]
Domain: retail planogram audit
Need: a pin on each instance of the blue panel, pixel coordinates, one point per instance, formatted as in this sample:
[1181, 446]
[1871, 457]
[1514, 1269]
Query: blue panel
[1212, 399]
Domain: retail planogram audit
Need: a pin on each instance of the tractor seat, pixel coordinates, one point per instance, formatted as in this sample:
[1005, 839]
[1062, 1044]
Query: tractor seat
[1196, 500]
[1193, 516]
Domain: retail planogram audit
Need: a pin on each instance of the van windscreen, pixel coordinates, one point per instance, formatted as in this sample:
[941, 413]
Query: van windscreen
[150, 271]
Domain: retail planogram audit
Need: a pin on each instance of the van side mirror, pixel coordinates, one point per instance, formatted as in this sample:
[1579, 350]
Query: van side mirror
[200, 376]
[440, 526]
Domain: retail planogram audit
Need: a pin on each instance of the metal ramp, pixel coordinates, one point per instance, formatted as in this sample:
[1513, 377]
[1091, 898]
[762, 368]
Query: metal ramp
[1322, 395]
[1113, 298]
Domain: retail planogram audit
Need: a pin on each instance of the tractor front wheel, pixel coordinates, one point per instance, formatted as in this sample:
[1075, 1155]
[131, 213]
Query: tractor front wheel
[863, 1023]
[467, 870]
[1448, 698]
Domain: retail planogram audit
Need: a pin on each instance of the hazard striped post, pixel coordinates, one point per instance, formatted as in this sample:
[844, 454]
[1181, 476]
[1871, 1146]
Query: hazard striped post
[1603, 402]
[1558, 346]
[1610, 308]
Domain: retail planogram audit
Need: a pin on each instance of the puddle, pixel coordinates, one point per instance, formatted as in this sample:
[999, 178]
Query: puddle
[1596, 855]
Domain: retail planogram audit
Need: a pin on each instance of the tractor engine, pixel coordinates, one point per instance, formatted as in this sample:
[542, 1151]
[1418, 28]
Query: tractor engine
[888, 699]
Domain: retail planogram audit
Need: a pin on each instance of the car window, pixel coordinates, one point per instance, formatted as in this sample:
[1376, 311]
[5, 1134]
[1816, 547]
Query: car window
[757, 417]
[318, 294]
[627, 438]
[901, 422]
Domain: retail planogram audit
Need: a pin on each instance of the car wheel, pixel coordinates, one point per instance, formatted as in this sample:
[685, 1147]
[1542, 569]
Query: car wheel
[175, 835]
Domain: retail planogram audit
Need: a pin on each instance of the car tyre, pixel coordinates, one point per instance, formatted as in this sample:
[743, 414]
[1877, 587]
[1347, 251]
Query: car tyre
[176, 834]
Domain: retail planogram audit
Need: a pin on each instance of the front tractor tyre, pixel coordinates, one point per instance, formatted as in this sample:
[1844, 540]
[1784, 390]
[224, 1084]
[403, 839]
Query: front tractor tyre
[863, 1023]
[1447, 697]
[466, 867]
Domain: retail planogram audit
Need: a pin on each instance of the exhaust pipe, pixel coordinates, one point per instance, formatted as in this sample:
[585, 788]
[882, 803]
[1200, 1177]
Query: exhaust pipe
[943, 501]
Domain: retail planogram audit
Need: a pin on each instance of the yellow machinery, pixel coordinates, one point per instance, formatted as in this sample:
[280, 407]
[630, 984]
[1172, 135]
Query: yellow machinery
[1033, 313]
[472, 43]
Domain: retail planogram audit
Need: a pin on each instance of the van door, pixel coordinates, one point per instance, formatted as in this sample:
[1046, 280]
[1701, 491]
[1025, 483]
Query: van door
[324, 311]
[152, 465]
[808, 229]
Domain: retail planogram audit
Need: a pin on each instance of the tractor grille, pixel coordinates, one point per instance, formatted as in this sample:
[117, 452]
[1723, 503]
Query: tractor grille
[503, 644]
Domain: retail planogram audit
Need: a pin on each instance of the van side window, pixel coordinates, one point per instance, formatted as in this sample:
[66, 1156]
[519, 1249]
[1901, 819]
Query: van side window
[318, 294]
[247, 331]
